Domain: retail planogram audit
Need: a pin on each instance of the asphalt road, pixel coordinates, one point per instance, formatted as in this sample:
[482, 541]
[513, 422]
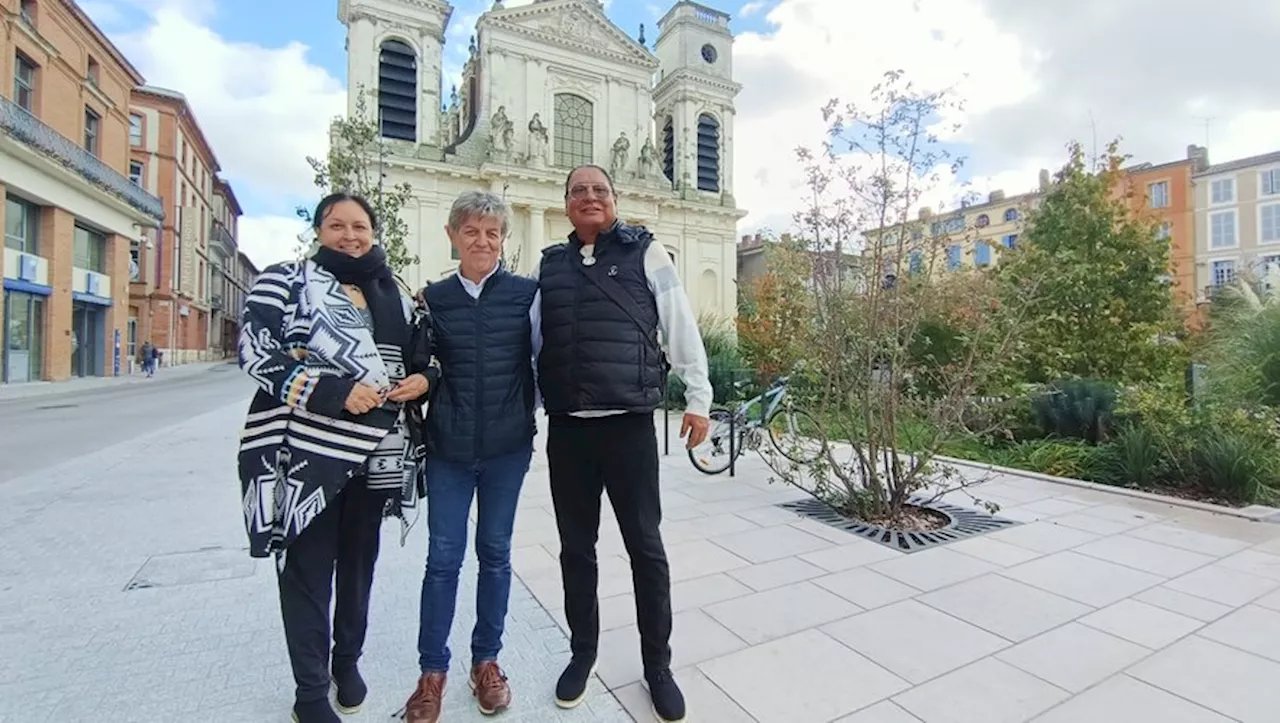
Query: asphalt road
[42, 430]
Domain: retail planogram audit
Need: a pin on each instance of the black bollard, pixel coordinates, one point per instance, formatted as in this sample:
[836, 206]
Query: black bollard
[666, 419]
[733, 441]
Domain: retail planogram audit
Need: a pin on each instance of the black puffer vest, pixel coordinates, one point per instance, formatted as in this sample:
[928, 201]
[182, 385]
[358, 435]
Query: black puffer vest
[594, 356]
[482, 405]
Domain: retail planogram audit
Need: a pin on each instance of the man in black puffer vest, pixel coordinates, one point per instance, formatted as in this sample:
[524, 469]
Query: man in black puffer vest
[479, 437]
[606, 297]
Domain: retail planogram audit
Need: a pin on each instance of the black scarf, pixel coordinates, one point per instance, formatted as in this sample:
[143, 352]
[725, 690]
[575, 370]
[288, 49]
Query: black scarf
[375, 280]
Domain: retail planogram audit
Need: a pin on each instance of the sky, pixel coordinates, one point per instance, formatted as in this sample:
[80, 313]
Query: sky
[264, 79]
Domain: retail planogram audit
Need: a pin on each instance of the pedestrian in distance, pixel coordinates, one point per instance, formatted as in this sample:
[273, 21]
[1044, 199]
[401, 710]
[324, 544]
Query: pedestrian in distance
[147, 356]
[479, 436]
[329, 447]
[606, 298]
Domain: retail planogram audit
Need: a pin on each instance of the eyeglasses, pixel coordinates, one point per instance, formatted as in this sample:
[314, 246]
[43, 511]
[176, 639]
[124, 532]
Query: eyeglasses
[583, 191]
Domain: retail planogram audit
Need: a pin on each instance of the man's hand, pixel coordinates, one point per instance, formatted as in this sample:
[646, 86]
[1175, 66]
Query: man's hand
[694, 428]
[410, 388]
[363, 399]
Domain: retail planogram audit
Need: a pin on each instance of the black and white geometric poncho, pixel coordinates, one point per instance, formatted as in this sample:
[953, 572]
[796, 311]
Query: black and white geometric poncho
[303, 341]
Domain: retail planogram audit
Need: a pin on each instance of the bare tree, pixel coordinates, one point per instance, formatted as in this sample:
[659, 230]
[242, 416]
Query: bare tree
[895, 359]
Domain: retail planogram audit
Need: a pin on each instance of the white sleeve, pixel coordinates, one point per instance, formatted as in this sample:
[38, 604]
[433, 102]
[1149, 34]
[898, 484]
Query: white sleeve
[679, 328]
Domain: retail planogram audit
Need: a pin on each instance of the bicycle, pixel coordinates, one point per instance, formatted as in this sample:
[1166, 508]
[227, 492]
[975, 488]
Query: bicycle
[775, 407]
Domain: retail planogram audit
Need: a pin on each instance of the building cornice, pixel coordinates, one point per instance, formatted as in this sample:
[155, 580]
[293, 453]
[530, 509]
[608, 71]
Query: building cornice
[572, 32]
[553, 177]
[346, 14]
[94, 32]
[684, 78]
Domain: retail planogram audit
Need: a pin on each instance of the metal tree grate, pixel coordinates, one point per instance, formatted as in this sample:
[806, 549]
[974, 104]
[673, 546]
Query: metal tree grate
[964, 522]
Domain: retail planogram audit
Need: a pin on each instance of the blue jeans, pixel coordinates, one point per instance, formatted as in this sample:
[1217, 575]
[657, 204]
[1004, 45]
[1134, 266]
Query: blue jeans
[495, 483]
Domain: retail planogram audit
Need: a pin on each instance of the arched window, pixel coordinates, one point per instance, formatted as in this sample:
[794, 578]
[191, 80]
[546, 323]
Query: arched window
[983, 221]
[708, 153]
[398, 91]
[1011, 214]
[669, 149]
[573, 130]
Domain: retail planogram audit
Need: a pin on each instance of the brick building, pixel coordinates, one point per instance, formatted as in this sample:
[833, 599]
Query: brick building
[170, 157]
[71, 217]
[226, 297]
[1165, 192]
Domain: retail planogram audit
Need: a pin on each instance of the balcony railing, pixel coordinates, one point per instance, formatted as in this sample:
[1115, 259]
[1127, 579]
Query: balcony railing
[220, 235]
[20, 124]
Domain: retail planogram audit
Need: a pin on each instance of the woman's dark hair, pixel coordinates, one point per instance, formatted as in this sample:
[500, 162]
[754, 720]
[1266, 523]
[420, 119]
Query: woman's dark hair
[328, 202]
[607, 176]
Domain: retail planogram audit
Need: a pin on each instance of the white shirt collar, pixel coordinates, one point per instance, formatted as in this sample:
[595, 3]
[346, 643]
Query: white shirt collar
[474, 288]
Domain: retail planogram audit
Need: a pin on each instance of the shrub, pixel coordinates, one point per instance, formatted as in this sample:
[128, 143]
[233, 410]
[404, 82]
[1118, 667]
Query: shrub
[1235, 465]
[724, 363]
[1136, 457]
[1071, 458]
[1076, 409]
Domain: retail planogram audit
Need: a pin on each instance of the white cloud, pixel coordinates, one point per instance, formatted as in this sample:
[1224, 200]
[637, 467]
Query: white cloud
[264, 110]
[857, 40]
[268, 239]
[1031, 76]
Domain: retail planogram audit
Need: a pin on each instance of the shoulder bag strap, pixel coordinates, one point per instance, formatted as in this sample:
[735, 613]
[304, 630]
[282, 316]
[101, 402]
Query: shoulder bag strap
[619, 297]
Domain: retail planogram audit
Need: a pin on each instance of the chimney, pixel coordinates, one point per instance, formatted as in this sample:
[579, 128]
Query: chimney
[925, 213]
[994, 196]
[1045, 181]
[1199, 157]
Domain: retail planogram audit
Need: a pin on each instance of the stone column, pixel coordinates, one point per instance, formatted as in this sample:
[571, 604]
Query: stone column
[118, 314]
[532, 253]
[57, 245]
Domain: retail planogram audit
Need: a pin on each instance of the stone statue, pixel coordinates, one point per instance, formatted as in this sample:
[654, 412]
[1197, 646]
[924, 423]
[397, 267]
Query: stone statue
[648, 156]
[620, 148]
[537, 139]
[500, 131]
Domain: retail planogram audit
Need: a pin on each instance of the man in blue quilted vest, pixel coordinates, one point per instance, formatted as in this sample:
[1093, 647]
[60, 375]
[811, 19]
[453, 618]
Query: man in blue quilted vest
[479, 438]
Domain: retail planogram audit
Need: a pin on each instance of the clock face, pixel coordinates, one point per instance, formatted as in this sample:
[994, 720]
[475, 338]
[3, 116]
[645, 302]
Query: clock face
[709, 53]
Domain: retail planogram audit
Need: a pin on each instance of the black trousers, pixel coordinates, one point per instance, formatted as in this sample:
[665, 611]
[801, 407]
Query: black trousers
[617, 454]
[341, 542]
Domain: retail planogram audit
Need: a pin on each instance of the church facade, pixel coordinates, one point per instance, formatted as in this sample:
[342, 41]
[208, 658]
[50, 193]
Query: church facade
[549, 86]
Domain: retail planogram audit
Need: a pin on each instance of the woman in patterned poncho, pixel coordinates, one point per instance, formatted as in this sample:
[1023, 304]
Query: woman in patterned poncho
[329, 446]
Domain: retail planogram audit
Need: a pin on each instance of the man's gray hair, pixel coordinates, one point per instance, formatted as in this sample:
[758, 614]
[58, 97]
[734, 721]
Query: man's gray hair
[479, 204]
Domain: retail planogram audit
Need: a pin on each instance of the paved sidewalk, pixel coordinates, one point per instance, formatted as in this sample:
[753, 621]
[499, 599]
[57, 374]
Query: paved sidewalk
[84, 384]
[1099, 608]
[79, 647]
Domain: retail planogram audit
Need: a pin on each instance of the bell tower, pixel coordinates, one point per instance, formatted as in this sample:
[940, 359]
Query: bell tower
[694, 101]
[394, 50]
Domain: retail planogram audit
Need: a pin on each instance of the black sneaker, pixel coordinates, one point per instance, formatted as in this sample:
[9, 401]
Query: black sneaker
[668, 701]
[352, 689]
[572, 686]
[314, 711]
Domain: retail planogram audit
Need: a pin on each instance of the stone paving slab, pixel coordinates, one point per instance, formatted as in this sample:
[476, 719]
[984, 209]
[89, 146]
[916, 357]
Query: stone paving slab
[1099, 607]
[78, 647]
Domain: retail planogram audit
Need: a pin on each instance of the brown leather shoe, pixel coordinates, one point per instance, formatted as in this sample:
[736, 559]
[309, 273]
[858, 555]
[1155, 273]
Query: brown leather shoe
[489, 685]
[424, 704]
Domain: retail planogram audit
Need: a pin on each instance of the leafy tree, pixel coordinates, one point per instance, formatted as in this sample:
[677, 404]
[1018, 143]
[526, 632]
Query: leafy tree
[353, 166]
[1107, 309]
[776, 309]
[897, 361]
